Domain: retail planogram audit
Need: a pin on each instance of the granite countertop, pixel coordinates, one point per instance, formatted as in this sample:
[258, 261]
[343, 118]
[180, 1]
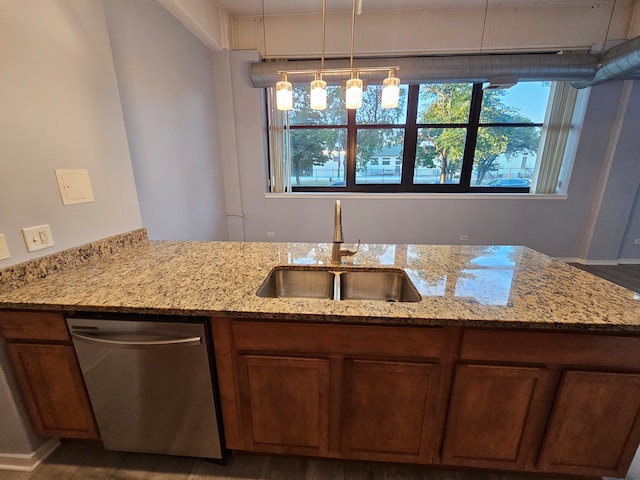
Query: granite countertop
[460, 285]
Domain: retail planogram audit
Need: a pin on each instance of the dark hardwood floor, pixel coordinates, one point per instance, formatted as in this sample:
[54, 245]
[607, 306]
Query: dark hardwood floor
[626, 275]
[81, 461]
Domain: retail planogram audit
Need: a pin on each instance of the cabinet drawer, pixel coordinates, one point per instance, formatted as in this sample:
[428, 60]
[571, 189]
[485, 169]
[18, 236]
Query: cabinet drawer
[347, 340]
[18, 325]
[593, 349]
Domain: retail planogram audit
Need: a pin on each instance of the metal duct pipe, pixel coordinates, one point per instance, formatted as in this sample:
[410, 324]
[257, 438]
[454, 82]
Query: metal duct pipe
[618, 63]
[470, 68]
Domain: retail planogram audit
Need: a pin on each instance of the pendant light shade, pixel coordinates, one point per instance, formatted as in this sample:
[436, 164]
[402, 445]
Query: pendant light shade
[354, 92]
[284, 94]
[318, 94]
[390, 91]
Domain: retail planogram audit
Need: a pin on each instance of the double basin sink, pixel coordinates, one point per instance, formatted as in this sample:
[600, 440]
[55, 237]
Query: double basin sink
[388, 285]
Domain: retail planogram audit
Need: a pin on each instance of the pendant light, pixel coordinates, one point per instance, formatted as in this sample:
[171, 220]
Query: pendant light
[391, 90]
[354, 86]
[318, 88]
[354, 91]
[284, 93]
[318, 93]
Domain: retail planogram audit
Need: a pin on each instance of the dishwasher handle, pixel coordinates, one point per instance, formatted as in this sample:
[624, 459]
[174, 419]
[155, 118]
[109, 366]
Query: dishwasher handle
[118, 342]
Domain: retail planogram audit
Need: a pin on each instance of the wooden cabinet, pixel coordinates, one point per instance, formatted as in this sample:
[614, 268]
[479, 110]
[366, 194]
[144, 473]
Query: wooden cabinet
[389, 410]
[361, 392]
[555, 402]
[48, 374]
[493, 415]
[528, 401]
[286, 403]
[595, 425]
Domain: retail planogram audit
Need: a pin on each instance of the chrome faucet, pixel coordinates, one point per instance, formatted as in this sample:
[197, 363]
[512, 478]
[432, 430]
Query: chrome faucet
[338, 252]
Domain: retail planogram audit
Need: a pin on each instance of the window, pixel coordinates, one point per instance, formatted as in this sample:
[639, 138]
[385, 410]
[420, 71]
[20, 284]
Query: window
[456, 137]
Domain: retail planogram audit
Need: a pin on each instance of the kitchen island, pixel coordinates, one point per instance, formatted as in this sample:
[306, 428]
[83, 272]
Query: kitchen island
[510, 361]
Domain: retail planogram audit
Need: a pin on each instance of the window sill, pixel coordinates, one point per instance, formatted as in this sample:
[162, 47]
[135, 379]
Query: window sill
[420, 196]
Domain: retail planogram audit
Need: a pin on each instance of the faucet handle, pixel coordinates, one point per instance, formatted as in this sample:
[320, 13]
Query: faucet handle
[351, 253]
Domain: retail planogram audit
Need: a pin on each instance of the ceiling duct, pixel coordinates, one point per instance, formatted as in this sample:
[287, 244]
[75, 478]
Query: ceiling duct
[444, 69]
[618, 63]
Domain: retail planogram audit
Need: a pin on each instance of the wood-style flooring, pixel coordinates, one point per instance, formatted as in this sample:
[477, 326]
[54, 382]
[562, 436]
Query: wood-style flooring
[81, 461]
[84, 461]
[626, 275]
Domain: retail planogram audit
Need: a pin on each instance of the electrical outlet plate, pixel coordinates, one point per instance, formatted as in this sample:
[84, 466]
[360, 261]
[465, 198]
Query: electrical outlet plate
[4, 250]
[37, 238]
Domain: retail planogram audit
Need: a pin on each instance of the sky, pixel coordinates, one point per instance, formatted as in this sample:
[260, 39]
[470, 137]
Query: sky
[530, 97]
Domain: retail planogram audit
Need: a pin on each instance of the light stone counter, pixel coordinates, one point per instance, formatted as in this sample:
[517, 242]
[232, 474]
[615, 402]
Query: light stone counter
[460, 285]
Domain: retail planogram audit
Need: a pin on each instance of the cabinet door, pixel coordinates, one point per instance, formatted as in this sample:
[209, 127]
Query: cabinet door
[493, 414]
[389, 410]
[52, 385]
[285, 404]
[595, 425]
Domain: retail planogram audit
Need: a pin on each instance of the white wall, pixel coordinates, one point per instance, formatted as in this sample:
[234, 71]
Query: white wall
[624, 185]
[59, 108]
[509, 26]
[555, 227]
[165, 75]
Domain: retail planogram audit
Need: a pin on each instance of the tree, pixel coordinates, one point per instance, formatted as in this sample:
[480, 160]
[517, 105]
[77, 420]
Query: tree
[444, 147]
[509, 141]
[308, 146]
[372, 140]
[446, 104]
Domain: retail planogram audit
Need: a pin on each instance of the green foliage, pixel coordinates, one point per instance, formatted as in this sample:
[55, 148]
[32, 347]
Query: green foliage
[440, 147]
[372, 140]
[444, 147]
[309, 146]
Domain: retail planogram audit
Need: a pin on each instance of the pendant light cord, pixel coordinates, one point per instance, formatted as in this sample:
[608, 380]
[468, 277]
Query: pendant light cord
[606, 35]
[264, 32]
[324, 13]
[484, 24]
[353, 31]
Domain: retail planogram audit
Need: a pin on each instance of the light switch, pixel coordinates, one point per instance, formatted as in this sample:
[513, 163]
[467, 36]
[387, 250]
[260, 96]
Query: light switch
[75, 186]
[4, 250]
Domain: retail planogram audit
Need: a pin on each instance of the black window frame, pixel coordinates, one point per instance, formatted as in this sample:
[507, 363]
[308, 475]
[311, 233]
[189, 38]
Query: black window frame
[411, 127]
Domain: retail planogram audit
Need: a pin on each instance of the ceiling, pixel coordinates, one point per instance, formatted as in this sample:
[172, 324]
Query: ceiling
[284, 7]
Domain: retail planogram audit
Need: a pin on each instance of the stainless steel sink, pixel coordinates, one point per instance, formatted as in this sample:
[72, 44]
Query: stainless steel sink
[298, 283]
[385, 285]
[388, 285]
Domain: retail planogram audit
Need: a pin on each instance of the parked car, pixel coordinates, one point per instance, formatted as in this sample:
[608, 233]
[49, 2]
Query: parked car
[509, 182]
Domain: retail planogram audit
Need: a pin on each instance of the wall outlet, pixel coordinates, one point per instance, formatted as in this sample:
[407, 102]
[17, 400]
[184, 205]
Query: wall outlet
[464, 238]
[37, 238]
[636, 241]
[4, 250]
[271, 234]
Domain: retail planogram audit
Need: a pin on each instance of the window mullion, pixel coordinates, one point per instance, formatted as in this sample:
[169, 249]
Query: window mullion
[352, 148]
[471, 138]
[410, 139]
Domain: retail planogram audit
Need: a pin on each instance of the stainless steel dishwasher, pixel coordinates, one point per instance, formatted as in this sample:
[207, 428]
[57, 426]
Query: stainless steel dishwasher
[150, 383]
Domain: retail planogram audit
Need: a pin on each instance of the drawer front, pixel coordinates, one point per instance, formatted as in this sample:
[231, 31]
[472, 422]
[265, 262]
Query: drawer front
[347, 340]
[593, 349]
[18, 325]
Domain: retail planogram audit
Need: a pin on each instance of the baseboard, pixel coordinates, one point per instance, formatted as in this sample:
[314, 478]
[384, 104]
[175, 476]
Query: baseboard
[628, 261]
[28, 462]
[583, 261]
[569, 260]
